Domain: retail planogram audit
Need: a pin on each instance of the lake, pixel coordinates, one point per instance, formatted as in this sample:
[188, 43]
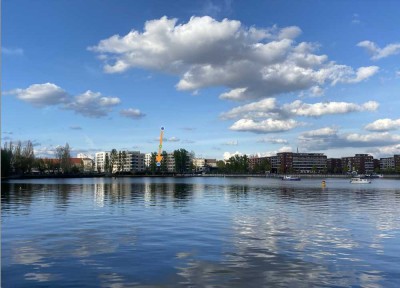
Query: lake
[198, 232]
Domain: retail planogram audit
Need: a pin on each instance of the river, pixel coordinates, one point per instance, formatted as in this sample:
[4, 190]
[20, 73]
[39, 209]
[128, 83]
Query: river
[200, 231]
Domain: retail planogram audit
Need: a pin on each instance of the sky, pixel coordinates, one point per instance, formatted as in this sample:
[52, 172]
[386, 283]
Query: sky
[222, 77]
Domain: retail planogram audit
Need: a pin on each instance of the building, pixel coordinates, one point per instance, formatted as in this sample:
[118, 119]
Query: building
[360, 164]
[334, 165]
[255, 160]
[274, 163]
[147, 160]
[199, 164]
[125, 161]
[289, 162]
[390, 163]
[211, 163]
[100, 160]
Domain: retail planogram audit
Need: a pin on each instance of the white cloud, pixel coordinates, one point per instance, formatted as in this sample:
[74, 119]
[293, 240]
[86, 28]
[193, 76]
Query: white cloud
[264, 126]
[327, 131]
[273, 141]
[268, 108]
[92, 104]
[378, 53]
[383, 125]
[385, 151]
[228, 155]
[88, 104]
[132, 113]
[299, 108]
[174, 139]
[262, 108]
[364, 73]
[231, 143]
[327, 137]
[12, 51]
[41, 95]
[285, 149]
[250, 62]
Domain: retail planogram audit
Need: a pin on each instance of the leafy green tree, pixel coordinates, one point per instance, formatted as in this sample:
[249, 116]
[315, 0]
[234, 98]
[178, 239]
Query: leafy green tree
[164, 162]
[6, 157]
[153, 165]
[181, 157]
[221, 166]
[113, 159]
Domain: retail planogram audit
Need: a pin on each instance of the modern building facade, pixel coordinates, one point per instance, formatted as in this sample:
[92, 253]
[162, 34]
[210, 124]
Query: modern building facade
[334, 165]
[125, 161]
[304, 163]
[360, 164]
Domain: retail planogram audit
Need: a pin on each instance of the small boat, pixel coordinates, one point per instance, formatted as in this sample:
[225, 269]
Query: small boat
[291, 178]
[359, 180]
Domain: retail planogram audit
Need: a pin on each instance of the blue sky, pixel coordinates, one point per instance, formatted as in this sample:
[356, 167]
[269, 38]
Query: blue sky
[222, 77]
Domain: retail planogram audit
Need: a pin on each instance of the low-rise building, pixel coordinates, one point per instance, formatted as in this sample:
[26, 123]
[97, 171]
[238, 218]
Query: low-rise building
[334, 165]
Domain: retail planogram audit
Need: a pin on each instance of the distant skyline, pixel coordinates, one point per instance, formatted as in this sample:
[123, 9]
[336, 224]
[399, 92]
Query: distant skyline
[222, 77]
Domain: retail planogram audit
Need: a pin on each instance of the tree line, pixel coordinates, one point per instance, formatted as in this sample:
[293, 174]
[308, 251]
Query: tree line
[240, 165]
[19, 159]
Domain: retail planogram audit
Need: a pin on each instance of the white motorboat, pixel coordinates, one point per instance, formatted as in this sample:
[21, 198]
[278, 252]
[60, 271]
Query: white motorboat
[359, 180]
[291, 178]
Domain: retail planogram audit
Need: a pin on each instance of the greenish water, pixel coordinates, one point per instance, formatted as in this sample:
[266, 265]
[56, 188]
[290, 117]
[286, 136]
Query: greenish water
[197, 232]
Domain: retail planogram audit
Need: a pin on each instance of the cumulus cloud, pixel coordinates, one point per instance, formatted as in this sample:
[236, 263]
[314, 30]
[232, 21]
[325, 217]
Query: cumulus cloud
[132, 113]
[263, 108]
[383, 125]
[41, 95]
[269, 108]
[378, 53]
[264, 126]
[88, 104]
[325, 138]
[92, 104]
[228, 155]
[385, 151]
[250, 62]
[299, 108]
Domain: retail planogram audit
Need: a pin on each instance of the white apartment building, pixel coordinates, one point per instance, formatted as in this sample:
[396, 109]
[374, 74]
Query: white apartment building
[100, 161]
[147, 160]
[127, 161]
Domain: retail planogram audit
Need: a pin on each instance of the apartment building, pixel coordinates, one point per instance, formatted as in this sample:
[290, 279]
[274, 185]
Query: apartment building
[301, 162]
[147, 160]
[334, 165]
[360, 163]
[126, 161]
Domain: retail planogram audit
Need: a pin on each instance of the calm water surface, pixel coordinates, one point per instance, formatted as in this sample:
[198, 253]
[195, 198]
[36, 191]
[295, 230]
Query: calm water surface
[197, 232]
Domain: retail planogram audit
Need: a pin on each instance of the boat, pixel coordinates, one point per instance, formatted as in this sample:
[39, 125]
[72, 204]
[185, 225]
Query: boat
[373, 175]
[359, 180]
[291, 178]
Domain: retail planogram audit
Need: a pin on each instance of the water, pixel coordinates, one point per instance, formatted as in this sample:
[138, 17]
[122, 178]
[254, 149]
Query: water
[197, 232]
